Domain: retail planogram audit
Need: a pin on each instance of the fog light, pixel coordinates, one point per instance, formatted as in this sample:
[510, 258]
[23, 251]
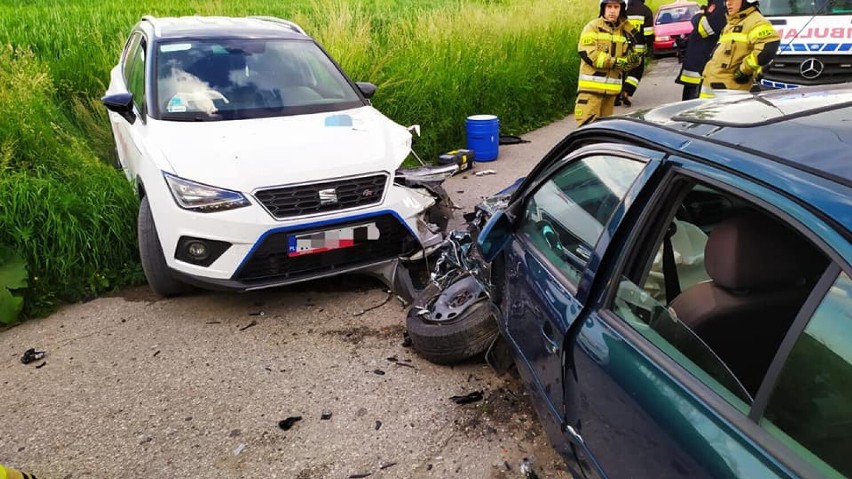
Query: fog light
[197, 250]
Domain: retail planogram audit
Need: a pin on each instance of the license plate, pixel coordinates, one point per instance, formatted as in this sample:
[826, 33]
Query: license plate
[329, 240]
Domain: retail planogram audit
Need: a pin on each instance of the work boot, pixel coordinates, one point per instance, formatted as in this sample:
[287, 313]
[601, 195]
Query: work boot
[618, 100]
[626, 100]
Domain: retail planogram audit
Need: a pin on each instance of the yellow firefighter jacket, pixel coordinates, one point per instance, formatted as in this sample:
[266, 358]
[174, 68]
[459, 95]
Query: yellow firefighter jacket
[601, 43]
[748, 43]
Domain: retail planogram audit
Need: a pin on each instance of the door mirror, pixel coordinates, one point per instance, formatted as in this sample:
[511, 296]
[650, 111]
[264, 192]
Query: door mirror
[368, 89]
[121, 103]
[495, 236]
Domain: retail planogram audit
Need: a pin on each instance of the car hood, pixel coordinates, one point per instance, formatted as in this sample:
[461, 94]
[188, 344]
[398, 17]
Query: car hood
[672, 29]
[244, 155]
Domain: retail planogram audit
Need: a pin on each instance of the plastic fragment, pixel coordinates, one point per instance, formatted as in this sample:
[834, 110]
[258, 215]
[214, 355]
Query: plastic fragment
[31, 355]
[467, 398]
[379, 372]
[252, 323]
[378, 425]
[325, 415]
[406, 340]
[239, 449]
[286, 424]
[527, 469]
[385, 466]
[39, 366]
[485, 172]
[360, 476]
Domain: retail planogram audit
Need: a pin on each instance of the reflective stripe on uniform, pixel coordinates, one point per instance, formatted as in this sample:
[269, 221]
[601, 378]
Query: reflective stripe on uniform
[693, 78]
[632, 81]
[648, 31]
[760, 32]
[600, 83]
[734, 37]
[751, 61]
[589, 38]
[706, 92]
[639, 48]
[704, 28]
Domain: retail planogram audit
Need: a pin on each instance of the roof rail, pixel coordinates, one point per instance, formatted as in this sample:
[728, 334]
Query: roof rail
[292, 26]
[153, 21]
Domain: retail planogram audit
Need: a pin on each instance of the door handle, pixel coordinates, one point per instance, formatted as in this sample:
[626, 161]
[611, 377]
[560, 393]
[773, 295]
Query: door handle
[550, 345]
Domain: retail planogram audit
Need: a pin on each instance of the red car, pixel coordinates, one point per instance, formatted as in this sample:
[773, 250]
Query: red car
[672, 22]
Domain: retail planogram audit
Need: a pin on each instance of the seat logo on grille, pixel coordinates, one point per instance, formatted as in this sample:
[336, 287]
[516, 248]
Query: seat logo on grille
[367, 193]
[811, 68]
[328, 197]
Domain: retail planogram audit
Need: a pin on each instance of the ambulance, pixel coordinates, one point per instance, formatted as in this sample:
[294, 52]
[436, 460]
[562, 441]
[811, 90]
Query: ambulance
[816, 42]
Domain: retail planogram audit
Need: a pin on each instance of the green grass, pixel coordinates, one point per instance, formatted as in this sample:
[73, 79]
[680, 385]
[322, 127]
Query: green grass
[435, 62]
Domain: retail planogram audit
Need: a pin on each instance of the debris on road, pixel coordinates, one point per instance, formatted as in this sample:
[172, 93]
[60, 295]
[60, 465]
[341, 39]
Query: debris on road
[156, 353]
[239, 449]
[257, 313]
[325, 415]
[385, 466]
[406, 340]
[378, 425]
[252, 323]
[286, 424]
[39, 366]
[379, 372]
[360, 476]
[485, 172]
[527, 469]
[467, 398]
[31, 355]
[388, 298]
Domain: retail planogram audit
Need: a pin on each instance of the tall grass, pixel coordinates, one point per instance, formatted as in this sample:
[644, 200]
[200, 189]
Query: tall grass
[435, 62]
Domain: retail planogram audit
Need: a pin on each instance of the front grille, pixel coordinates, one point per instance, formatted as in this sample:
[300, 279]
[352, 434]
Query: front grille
[323, 197]
[270, 261]
[788, 69]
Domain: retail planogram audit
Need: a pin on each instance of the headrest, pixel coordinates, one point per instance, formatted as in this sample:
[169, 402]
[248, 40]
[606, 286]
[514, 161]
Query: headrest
[753, 252]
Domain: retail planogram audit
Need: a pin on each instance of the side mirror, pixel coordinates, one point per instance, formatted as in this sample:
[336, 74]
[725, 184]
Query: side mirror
[121, 103]
[414, 130]
[367, 88]
[495, 236]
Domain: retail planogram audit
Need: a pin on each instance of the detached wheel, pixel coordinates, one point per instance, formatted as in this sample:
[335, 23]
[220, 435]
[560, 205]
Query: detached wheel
[453, 325]
[157, 273]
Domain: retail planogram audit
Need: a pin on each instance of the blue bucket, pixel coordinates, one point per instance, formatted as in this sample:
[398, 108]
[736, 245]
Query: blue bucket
[483, 136]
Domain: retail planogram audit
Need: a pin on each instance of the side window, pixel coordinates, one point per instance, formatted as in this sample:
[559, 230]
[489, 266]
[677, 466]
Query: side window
[715, 282]
[565, 217]
[131, 47]
[812, 402]
[134, 75]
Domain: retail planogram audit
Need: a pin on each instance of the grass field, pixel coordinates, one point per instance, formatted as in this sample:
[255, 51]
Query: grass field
[72, 218]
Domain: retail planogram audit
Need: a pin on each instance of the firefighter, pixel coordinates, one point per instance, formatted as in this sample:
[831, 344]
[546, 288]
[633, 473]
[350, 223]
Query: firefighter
[642, 19]
[606, 52]
[707, 26]
[746, 45]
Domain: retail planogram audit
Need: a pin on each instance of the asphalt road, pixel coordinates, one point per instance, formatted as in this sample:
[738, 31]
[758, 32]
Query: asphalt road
[193, 387]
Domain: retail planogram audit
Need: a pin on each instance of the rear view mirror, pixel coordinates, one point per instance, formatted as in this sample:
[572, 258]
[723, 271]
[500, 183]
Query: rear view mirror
[367, 89]
[495, 236]
[121, 103]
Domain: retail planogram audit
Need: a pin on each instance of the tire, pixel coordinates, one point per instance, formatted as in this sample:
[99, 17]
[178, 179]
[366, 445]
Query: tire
[157, 272]
[447, 343]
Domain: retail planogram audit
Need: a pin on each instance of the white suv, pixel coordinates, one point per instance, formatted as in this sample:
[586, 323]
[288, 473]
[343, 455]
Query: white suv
[258, 160]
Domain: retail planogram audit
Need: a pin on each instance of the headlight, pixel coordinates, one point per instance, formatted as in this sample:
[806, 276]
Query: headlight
[194, 196]
[664, 38]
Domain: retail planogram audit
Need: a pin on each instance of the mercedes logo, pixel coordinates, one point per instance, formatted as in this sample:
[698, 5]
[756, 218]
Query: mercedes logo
[811, 68]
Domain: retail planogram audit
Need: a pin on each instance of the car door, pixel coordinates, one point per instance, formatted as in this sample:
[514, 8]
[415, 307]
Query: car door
[646, 395]
[131, 78]
[568, 210]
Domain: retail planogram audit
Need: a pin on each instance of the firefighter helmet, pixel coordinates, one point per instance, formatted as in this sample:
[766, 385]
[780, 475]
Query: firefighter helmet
[623, 4]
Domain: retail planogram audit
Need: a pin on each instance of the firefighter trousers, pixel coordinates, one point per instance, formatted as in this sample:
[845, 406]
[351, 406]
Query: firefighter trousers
[591, 106]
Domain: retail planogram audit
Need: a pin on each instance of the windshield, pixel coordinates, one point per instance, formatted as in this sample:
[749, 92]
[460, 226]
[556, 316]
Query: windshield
[805, 7]
[682, 13]
[247, 78]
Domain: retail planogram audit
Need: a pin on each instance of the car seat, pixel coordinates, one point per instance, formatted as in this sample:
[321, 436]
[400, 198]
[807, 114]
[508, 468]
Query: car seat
[666, 17]
[761, 272]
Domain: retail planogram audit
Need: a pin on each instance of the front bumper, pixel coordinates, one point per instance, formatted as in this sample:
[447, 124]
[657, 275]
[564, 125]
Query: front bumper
[258, 252]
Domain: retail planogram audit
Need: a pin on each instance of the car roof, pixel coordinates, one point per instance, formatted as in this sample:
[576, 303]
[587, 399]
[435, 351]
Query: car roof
[809, 128]
[199, 27]
[670, 6]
